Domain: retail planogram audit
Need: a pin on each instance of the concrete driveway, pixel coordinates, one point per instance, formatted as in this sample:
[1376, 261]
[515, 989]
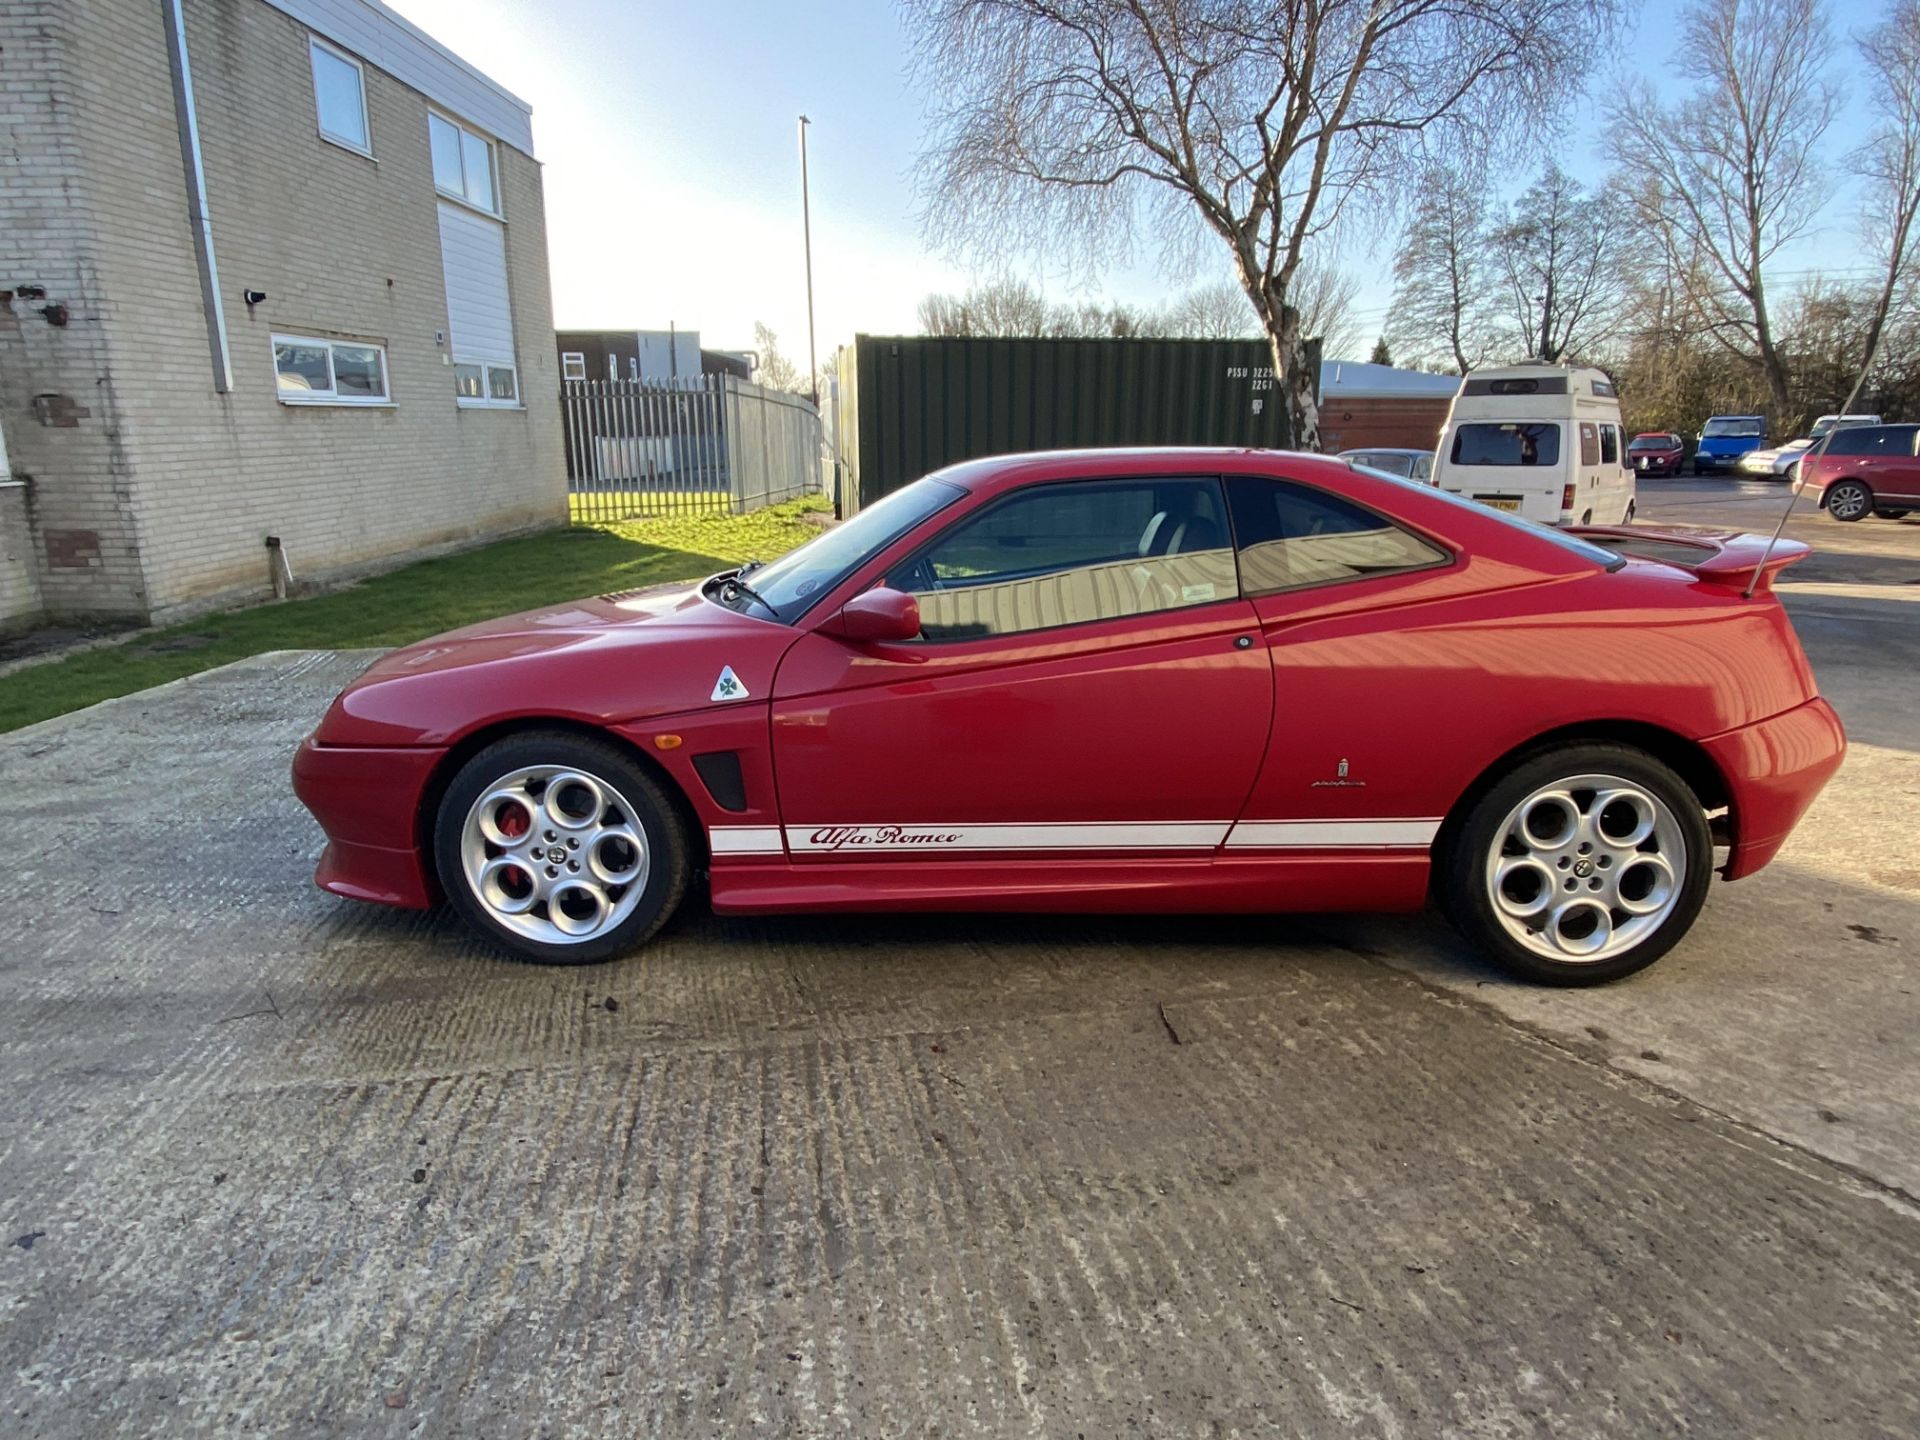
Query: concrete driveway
[275, 1163]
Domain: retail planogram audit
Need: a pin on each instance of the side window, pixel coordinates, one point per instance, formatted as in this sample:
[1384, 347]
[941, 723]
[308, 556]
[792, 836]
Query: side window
[1589, 443]
[1072, 552]
[1292, 535]
[1609, 445]
[1872, 440]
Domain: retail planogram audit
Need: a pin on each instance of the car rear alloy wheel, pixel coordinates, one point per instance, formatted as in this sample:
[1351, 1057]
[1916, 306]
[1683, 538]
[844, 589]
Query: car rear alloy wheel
[560, 847]
[1582, 864]
[1849, 500]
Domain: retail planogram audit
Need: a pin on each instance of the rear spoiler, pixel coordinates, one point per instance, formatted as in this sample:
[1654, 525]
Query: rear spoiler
[1732, 558]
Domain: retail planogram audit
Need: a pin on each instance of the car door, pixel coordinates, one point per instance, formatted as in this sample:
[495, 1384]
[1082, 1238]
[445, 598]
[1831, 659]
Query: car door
[1893, 469]
[1334, 585]
[1086, 684]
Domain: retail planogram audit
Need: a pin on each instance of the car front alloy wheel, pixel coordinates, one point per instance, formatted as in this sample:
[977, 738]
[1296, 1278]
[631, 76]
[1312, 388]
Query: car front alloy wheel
[559, 847]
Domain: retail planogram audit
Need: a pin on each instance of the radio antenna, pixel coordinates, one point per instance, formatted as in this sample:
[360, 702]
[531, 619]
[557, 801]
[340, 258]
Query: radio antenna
[1793, 498]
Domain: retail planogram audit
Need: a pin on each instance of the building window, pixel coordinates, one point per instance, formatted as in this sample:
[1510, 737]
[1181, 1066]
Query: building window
[573, 365]
[462, 164]
[476, 384]
[309, 371]
[340, 97]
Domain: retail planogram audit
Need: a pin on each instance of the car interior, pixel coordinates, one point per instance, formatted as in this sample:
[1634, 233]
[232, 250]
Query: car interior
[1085, 553]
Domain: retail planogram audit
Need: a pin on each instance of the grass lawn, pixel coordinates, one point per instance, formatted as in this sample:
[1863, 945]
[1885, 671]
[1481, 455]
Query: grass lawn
[411, 603]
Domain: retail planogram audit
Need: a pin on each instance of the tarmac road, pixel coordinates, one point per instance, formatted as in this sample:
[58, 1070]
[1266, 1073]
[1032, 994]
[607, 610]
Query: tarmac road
[277, 1163]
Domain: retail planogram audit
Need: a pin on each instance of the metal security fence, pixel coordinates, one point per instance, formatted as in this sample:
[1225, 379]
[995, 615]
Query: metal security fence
[710, 444]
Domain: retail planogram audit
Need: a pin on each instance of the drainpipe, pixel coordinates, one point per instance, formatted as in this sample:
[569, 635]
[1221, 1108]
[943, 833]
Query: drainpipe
[197, 212]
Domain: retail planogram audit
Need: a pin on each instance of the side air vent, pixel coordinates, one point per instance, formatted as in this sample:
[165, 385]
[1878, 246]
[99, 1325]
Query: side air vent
[720, 773]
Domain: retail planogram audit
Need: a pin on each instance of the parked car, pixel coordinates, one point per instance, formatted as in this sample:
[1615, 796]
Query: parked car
[1148, 680]
[1775, 462]
[1839, 422]
[1407, 464]
[1725, 438]
[1865, 470]
[1656, 452]
[1538, 441]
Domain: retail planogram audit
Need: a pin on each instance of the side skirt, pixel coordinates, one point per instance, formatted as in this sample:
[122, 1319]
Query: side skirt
[1368, 880]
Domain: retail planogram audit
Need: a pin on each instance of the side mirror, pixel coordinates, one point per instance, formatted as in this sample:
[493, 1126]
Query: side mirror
[879, 614]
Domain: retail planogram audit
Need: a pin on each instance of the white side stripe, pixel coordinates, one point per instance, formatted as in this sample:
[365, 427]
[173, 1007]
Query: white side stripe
[1330, 834]
[1122, 835]
[744, 839]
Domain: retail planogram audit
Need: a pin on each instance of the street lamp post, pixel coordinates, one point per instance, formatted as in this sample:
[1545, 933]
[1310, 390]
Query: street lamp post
[806, 229]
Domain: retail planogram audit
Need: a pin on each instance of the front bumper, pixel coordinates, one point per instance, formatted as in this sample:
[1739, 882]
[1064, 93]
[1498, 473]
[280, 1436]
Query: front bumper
[368, 802]
[1774, 770]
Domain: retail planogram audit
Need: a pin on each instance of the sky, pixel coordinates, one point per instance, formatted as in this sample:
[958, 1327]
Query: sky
[667, 133]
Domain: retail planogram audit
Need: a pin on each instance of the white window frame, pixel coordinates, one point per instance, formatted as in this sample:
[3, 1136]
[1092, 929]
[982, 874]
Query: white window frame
[569, 360]
[459, 197]
[314, 44]
[485, 400]
[330, 396]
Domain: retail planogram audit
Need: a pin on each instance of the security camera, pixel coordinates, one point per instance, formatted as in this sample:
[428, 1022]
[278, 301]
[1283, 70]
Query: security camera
[253, 297]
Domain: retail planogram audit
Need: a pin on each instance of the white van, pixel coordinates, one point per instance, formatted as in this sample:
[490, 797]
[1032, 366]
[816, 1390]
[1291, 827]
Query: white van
[1541, 441]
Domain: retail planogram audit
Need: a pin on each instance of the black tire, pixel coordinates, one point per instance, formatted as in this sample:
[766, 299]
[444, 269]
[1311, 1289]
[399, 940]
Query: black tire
[1463, 894]
[1890, 512]
[1849, 500]
[651, 809]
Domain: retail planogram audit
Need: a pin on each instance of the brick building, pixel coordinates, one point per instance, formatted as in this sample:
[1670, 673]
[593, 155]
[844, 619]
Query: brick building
[1378, 406]
[267, 268]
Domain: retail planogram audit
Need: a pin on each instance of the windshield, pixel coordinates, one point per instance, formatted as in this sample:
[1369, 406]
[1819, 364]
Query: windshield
[1400, 465]
[1654, 442]
[789, 585]
[1741, 427]
[1839, 422]
[1530, 443]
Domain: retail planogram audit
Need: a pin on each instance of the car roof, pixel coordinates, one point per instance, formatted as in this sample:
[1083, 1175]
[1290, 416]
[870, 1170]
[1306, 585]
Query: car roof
[1383, 450]
[998, 471]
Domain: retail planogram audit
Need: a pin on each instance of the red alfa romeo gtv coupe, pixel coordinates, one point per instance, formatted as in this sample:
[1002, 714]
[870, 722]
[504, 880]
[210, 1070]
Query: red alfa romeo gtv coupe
[1157, 680]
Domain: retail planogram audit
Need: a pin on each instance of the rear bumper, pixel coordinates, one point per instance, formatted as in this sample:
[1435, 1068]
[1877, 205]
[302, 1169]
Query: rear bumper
[368, 802]
[1774, 770]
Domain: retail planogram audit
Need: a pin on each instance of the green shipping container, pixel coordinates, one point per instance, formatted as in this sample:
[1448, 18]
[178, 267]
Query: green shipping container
[906, 405]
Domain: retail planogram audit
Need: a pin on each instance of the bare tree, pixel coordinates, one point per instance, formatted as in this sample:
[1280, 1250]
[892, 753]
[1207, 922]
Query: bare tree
[774, 369]
[1324, 296]
[1015, 308]
[1213, 312]
[1889, 163]
[1442, 278]
[1061, 123]
[1728, 177]
[1562, 253]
